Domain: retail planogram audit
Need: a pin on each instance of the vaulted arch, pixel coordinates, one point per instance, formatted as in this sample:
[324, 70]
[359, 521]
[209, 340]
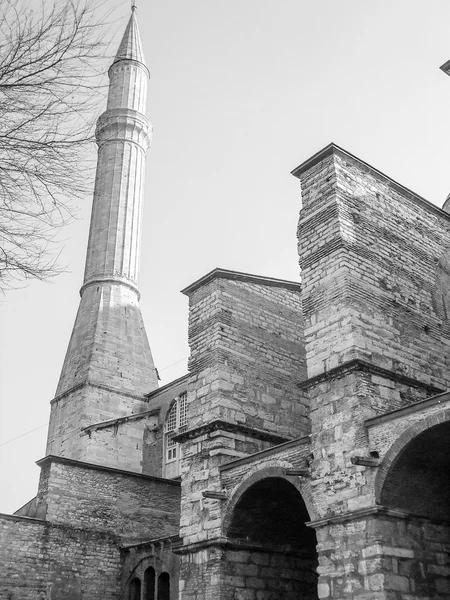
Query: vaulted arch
[268, 539]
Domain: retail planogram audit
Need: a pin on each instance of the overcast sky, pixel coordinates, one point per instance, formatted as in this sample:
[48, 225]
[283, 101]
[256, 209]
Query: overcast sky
[241, 93]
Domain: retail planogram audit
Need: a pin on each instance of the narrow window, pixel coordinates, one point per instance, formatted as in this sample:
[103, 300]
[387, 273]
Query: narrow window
[149, 582]
[164, 586]
[176, 422]
[134, 590]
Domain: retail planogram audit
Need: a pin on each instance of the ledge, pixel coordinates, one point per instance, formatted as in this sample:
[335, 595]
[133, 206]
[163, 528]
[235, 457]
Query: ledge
[99, 386]
[267, 452]
[338, 151]
[219, 273]
[43, 462]
[230, 427]
[237, 544]
[23, 519]
[110, 279]
[407, 410]
[367, 512]
[362, 365]
[153, 542]
[133, 417]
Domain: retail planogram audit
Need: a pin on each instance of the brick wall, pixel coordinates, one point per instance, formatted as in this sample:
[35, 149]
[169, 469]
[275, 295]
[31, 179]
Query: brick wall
[375, 271]
[247, 354]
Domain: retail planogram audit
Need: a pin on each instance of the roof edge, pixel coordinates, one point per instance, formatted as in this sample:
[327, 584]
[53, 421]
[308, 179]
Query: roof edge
[167, 386]
[219, 273]
[337, 150]
[51, 458]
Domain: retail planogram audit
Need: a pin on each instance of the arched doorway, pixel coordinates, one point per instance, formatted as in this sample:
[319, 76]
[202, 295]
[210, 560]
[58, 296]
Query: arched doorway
[418, 483]
[270, 547]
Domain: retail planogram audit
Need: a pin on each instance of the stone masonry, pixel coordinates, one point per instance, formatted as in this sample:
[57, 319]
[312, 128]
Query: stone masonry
[305, 454]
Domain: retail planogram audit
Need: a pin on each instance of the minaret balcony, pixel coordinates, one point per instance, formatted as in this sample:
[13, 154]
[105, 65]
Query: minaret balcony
[124, 124]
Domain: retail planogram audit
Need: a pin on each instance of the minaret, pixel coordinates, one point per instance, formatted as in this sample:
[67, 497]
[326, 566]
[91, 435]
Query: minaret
[108, 366]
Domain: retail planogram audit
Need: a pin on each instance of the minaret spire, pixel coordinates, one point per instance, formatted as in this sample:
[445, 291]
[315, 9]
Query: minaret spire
[108, 366]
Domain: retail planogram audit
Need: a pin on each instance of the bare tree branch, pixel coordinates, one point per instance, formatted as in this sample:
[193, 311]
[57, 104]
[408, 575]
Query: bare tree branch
[51, 61]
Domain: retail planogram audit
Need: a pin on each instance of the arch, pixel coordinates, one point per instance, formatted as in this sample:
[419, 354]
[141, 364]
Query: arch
[164, 586]
[401, 443]
[149, 583]
[303, 487]
[134, 589]
[265, 525]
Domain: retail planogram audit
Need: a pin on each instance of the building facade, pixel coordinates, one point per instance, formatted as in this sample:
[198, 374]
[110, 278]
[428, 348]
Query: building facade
[305, 454]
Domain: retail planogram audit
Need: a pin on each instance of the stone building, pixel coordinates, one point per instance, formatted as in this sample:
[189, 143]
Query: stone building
[306, 452]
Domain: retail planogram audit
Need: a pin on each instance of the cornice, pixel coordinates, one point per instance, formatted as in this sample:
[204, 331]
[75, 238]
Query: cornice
[362, 365]
[100, 386]
[379, 510]
[305, 440]
[232, 428]
[219, 273]
[334, 149]
[236, 544]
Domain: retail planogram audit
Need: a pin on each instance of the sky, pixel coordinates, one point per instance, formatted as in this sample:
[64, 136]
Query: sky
[241, 92]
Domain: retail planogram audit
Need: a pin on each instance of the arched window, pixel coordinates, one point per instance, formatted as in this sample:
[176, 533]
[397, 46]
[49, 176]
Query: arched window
[176, 422]
[149, 584]
[134, 589]
[164, 586]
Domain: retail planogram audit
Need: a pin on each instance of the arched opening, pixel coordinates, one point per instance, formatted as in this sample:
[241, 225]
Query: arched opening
[419, 479]
[149, 584]
[164, 586]
[134, 589]
[270, 547]
[418, 483]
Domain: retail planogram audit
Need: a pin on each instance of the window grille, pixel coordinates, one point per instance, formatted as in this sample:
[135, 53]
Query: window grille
[176, 422]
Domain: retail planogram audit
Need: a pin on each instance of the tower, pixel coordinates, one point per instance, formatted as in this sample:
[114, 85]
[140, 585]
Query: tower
[108, 365]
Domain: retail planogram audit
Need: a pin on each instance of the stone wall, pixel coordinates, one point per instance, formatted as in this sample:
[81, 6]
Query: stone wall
[87, 405]
[268, 574]
[44, 561]
[134, 507]
[112, 429]
[384, 557]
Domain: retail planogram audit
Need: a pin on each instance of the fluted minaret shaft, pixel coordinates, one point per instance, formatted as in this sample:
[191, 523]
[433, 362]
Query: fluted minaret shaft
[109, 367]
[123, 135]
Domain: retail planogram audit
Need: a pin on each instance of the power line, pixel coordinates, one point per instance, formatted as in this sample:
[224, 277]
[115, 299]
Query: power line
[41, 426]
[22, 435]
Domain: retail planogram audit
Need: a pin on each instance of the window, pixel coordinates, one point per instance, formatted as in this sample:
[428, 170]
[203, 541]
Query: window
[134, 590]
[149, 581]
[164, 586]
[176, 423]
